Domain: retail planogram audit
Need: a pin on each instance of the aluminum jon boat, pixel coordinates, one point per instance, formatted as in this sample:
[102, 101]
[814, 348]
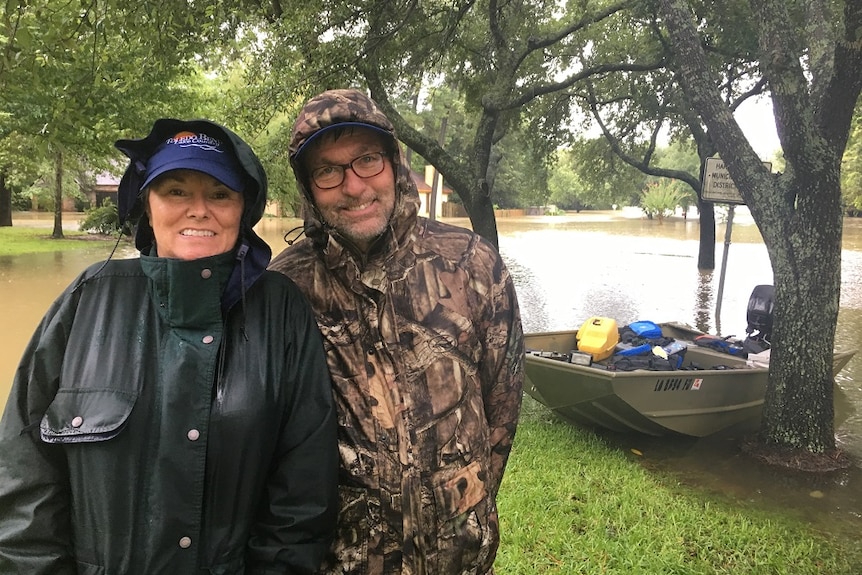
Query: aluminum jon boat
[725, 393]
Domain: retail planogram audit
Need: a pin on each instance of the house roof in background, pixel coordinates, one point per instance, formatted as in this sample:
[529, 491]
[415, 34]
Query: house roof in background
[107, 179]
[423, 187]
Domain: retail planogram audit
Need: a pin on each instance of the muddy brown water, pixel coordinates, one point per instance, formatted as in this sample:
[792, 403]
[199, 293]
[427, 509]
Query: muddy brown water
[567, 269]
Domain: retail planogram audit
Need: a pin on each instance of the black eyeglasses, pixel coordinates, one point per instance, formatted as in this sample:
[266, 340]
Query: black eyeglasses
[365, 166]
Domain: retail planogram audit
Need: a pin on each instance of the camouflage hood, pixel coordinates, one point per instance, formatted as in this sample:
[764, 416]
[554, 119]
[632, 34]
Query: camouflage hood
[350, 107]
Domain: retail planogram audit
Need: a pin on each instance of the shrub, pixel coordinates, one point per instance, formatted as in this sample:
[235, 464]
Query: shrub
[660, 200]
[104, 219]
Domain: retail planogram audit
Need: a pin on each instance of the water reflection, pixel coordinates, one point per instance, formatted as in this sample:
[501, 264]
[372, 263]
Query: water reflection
[586, 273]
[830, 501]
[705, 302]
[848, 331]
[530, 296]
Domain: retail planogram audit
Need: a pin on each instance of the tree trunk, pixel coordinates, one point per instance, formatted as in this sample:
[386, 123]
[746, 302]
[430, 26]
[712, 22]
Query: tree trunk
[706, 252]
[798, 212]
[462, 178]
[58, 196]
[5, 201]
[806, 261]
[435, 181]
[481, 213]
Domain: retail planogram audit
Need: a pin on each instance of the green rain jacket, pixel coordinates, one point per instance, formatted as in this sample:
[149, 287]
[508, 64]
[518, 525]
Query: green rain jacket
[172, 417]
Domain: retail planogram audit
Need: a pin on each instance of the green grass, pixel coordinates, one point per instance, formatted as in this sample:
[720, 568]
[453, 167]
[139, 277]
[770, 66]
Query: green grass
[570, 504]
[29, 240]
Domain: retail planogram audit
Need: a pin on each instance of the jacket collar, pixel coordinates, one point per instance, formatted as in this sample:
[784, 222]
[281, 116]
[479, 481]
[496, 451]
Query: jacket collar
[188, 293]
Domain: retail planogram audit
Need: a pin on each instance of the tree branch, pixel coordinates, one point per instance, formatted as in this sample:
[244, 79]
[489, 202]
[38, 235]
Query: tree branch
[534, 92]
[699, 85]
[779, 60]
[453, 172]
[644, 164]
[843, 87]
[538, 43]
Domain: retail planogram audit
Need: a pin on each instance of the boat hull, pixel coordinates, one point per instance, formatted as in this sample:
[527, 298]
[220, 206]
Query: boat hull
[728, 396]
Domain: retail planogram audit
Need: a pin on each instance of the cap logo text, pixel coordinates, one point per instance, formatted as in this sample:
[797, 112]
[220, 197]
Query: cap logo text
[190, 139]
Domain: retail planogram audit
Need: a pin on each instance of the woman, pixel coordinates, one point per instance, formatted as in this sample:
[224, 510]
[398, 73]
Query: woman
[173, 413]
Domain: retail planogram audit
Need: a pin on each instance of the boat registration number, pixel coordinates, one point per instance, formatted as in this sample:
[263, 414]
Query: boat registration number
[679, 384]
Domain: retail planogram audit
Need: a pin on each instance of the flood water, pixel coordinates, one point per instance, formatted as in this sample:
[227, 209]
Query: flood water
[567, 269]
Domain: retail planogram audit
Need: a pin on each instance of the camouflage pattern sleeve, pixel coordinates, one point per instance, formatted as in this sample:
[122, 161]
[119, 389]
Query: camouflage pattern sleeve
[502, 370]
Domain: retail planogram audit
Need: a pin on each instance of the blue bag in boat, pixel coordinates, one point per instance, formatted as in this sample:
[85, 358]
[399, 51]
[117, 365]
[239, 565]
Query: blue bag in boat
[645, 329]
[724, 345]
[634, 350]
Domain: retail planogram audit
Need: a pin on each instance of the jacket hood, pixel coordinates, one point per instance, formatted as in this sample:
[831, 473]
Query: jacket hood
[344, 108]
[252, 252]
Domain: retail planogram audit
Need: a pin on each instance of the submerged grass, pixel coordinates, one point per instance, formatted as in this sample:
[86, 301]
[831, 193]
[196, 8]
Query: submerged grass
[30, 240]
[570, 504]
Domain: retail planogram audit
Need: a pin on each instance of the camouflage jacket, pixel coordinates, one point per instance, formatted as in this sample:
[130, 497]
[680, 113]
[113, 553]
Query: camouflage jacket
[425, 348]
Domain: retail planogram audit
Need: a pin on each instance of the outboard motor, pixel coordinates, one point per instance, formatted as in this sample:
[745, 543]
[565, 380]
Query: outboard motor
[759, 318]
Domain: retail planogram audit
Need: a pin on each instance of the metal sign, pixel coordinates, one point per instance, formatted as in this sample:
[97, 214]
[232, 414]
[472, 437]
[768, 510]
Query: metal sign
[718, 185]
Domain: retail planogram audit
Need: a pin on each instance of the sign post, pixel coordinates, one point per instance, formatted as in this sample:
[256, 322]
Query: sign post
[719, 187]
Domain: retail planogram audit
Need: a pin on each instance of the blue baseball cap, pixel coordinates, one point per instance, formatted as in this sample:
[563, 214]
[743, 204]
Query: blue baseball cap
[188, 150]
[339, 126]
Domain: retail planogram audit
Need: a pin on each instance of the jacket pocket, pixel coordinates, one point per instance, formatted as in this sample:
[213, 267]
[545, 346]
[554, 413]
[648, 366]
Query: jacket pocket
[349, 553]
[86, 415]
[460, 493]
[467, 532]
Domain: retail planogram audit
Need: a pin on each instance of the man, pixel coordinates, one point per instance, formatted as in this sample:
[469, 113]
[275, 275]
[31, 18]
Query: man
[424, 343]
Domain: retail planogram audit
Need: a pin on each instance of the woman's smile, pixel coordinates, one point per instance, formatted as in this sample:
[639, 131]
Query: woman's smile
[193, 215]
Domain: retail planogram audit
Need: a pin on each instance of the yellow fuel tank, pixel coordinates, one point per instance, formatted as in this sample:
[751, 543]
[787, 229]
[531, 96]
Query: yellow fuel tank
[598, 336]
